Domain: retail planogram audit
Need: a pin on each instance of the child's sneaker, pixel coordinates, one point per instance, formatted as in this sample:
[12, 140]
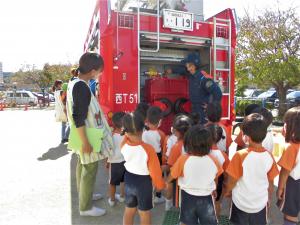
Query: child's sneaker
[169, 204]
[94, 211]
[158, 200]
[119, 198]
[111, 203]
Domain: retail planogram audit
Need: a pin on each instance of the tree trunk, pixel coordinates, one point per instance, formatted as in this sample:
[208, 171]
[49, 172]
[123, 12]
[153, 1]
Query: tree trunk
[281, 90]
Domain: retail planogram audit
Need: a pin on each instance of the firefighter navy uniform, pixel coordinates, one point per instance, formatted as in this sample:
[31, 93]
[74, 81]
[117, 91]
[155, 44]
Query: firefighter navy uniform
[202, 88]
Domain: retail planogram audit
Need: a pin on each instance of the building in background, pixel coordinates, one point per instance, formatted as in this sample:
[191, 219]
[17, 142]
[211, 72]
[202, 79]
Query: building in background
[1, 73]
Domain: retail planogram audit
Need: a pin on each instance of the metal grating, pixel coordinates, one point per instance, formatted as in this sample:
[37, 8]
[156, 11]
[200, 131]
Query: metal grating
[125, 21]
[172, 218]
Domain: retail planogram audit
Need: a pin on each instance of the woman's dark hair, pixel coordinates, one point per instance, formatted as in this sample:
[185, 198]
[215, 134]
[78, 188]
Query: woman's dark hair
[90, 61]
[268, 117]
[182, 123]
[216, 132]
[117, 119]
[198, 141]
[292, 121]
[55, 85]
[255, 127]
[133, 123]
[214, 112]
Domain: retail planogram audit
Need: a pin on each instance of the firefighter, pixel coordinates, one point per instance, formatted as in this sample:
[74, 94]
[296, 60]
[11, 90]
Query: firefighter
[202, 88]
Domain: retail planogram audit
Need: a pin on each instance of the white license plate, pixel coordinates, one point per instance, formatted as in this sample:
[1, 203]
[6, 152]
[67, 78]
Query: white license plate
[178, 20]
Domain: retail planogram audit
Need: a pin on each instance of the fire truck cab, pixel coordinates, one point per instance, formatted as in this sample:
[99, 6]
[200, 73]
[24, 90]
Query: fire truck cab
[140, 39]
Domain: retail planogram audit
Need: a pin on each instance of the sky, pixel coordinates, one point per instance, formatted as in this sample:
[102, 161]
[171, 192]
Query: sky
[36, 32]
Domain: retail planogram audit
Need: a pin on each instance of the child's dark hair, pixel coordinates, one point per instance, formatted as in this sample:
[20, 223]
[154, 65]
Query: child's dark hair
[198, 141]
[55, 85]
[182, 123]
[142, 108]
[268, 117]
[195, 117]
[255, 127]
[214, 112]
[154, 115]
[117, 119]
[292, 123]
[216, 132]
[133, 123]
[90, 61]
[249, 108]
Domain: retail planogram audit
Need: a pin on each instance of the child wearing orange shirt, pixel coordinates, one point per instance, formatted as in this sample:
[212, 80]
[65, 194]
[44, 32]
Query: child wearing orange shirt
[197, 172]
[288, 192]
[155, 137]
[181, 125]
[142, 170]
[217, 133]
[250, 175]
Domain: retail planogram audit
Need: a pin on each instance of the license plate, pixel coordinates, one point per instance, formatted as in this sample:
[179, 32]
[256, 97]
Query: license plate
[178, 20]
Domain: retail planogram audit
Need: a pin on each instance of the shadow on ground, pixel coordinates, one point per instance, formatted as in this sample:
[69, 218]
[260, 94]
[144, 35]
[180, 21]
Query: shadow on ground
[54, 153]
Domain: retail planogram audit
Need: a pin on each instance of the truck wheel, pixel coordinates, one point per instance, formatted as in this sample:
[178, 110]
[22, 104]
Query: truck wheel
[165, 105]
[178, 106]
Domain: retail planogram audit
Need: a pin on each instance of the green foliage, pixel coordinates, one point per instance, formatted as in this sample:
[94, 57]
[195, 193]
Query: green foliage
[42, 78]
[268, 49]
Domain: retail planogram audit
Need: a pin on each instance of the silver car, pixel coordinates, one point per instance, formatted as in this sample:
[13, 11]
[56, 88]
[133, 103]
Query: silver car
[21, 98]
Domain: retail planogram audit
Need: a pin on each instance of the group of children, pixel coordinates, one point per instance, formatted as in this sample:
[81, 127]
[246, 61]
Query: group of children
[193, 169]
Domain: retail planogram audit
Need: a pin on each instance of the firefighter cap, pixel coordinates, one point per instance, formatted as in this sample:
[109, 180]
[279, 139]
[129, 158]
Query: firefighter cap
[192, 58]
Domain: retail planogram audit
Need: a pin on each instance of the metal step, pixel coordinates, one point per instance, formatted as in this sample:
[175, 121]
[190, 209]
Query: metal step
[223, 69]
[172, 218]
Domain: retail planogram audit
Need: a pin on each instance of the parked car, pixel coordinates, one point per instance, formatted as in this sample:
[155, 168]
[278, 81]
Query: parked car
[292, 100]
[268, 96]
[252, 93]
[21, 98]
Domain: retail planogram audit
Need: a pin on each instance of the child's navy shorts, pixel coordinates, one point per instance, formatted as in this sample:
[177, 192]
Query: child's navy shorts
[239, 217]
[291, 204]
[197, 209]
[117, 172]
[138, 191]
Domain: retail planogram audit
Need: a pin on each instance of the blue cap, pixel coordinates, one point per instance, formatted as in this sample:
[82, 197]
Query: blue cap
[192, 58]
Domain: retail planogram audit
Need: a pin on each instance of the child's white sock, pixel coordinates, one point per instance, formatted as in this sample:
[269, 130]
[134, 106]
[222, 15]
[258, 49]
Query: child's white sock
[169, 204]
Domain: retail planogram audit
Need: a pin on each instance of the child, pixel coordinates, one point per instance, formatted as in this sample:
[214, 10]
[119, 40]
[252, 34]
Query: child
[268, 142]
[196, 172]
[142, 109]
[142, 169]
[288, 192]
[250, 175]
[214, 114]
[116, 162]
[155, 137]
[239, 138]
[217, 133]
[181, 125]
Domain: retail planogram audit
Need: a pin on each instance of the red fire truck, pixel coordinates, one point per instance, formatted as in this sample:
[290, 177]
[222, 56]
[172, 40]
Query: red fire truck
[140, 39]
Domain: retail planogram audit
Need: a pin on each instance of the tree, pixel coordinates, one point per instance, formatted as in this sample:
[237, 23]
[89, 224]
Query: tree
[44, 78]
[268, 51]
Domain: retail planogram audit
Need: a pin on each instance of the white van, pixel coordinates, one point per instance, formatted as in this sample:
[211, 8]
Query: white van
[21, 98]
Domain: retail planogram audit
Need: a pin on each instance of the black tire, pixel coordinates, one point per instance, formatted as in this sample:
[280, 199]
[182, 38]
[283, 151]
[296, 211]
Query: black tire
[178, 106]
[169, 105]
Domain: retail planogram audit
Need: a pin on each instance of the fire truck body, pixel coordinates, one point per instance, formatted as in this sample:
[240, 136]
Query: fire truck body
[139, 43]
